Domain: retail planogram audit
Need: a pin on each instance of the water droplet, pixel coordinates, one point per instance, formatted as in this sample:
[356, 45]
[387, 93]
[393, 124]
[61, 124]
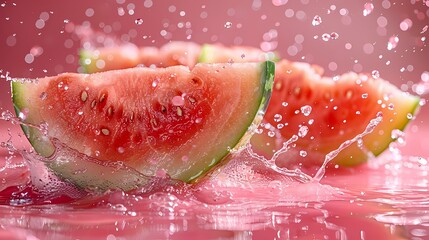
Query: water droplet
[317, 20]
[284, 104]
[271, 133]
[334, 35]
[424, 29]
[365, 95]
[277, 117]
[44, 127]
[368, 8]
[66, 20]
[398, 135]
[306, 110]
[409, 116]
[280, 126]
[375, 74]
[302, 153]
[228, 25]
[391, 106]
[303, 130]
[178, 101]
[326, 37]
[139, 21]
[311, 121]
[392, 43]
[121, 150]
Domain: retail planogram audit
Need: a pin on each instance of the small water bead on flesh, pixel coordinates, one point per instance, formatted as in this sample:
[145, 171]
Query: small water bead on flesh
[302, 132]
[178, 101]
[277, 117]
[303, 153]
[306, 110]
[228, 25]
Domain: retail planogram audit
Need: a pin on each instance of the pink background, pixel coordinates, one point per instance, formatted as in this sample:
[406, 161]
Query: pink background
[26, 27]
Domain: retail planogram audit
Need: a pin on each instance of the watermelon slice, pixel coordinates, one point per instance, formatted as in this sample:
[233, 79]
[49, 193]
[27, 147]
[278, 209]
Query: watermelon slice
[170, 54]
[171, 120]
[332, 111]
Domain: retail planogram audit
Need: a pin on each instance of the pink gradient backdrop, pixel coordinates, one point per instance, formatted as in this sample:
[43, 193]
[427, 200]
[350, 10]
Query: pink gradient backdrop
[204, 21]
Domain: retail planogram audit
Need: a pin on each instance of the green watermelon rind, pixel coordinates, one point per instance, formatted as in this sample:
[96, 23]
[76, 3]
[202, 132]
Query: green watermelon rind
[413, 109]
[43, 147]
[85, 54]
[66, 169]
[266, 80]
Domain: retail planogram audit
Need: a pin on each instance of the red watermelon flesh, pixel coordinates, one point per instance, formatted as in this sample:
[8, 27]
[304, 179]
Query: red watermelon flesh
[332, 111]
[176, 120]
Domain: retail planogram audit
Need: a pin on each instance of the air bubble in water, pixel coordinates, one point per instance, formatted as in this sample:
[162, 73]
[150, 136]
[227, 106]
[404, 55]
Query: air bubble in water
[306, 110]
[368, 8]
[375, 74]
[139, 21]
[392, 43]
[228, 25]
[303, 130]
[317, 20]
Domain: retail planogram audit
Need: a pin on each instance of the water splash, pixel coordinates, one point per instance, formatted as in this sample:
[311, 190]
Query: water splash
[330, 156]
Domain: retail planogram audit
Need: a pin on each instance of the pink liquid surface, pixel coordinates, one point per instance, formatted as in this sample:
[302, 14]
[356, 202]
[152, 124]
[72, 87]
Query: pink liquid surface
[387, 198]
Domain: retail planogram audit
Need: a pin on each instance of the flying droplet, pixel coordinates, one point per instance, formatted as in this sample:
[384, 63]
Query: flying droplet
[392, 43]
[368, 8]
[375, 74]
[326, 37]
[334, 35]
[317, 20]
[139, 21]
[228, 25]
